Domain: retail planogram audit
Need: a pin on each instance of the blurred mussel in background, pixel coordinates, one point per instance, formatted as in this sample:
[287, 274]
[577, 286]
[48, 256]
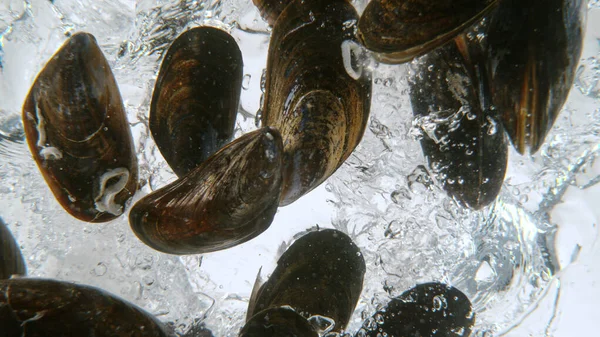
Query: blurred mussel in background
[196, 97]
[278, 322]
[229, 199]
[427, 310]
[463, 138]
[399, 30]
[11, 259]
[534, 48]
[270, 10]
[317, 93]
[78, 134]
[320, 276]
[43, 307]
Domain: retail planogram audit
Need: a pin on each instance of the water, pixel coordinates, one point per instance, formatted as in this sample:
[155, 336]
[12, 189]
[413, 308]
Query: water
[509, 258]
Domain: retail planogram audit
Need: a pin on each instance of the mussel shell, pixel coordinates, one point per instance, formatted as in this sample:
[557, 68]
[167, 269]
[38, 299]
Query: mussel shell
[278, 322]
[468, 148]
[400, 30]
[320, 274]
[43, 307]
[534, 47]
[314, 95]
[75, 125]
[196, 97]
[271, 9]
[427, 310]
[11, 259]
[227, 200]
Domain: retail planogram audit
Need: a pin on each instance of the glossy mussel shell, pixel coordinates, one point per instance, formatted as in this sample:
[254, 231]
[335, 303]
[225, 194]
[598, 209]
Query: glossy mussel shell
[78, 134]
[271, 9]
[316, 96]
[42, 307]
[463, 138]
[534, 47]
[196, 97]
[399, 30]
[227, 200]
[427, 310]
[278, 322]
[11, 259]
[321, 273]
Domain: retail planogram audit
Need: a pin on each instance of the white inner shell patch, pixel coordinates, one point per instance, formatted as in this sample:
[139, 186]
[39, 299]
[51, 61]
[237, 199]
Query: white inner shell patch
[47, 152]
[105, 201]
[350, 48]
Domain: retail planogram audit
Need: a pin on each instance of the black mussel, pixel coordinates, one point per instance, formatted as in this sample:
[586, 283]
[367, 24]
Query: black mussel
[75, 124]
[400, 30]
[11, 259]
[316, 94]
[534, 49]
[278, 322]
[43, 307]
[321, 274]
[271, 9]
[227, 200]
[463, 138]
[196, 97]
[427, 310]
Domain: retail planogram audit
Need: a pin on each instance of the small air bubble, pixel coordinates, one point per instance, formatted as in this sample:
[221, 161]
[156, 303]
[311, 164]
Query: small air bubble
[246, 81]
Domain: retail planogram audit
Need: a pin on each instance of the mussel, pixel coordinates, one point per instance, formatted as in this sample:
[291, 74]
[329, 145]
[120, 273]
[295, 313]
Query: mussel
[534, 48]
[278, 322]
[463, 137]
[271, 9]
[317, 94]
[321, 274]
[427, 310]
[196, 97]
[400, 30]
[11, 259]
[227, 200]
[78, 134]
[43, 307]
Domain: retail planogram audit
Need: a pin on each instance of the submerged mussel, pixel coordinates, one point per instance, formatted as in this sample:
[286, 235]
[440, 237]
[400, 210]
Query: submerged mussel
[11, 259]
[227, 200]
[534, 48]
[278, 322]
[42, 307]
[78, 134]
[196, 97]
[321, 274]
[316, 95]
[271, 9]
[463, 138]
[400, 30]
[427, 310]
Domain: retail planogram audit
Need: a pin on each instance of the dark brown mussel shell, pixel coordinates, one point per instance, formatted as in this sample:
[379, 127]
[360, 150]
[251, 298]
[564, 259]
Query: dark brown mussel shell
[278, 322]
[11, 259]
[316, 95]
[427, 310]
[78, 134]
[227, 200]
[271, 9]
[196, 97]
[464, 141]
[321, 273]
[400, 30]
[534, 47]
[43, 307]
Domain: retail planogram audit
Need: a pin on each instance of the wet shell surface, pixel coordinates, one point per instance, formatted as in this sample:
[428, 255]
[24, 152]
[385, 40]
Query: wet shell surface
[196, 97]
[400, 30]
[43, 307]
[78, 134]
[427, 310]
[227, 200]
[321, 274]
[463, 138]
[534, 48]
[316, 95]
[278, 322]
[271, 9]
[11, 259]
